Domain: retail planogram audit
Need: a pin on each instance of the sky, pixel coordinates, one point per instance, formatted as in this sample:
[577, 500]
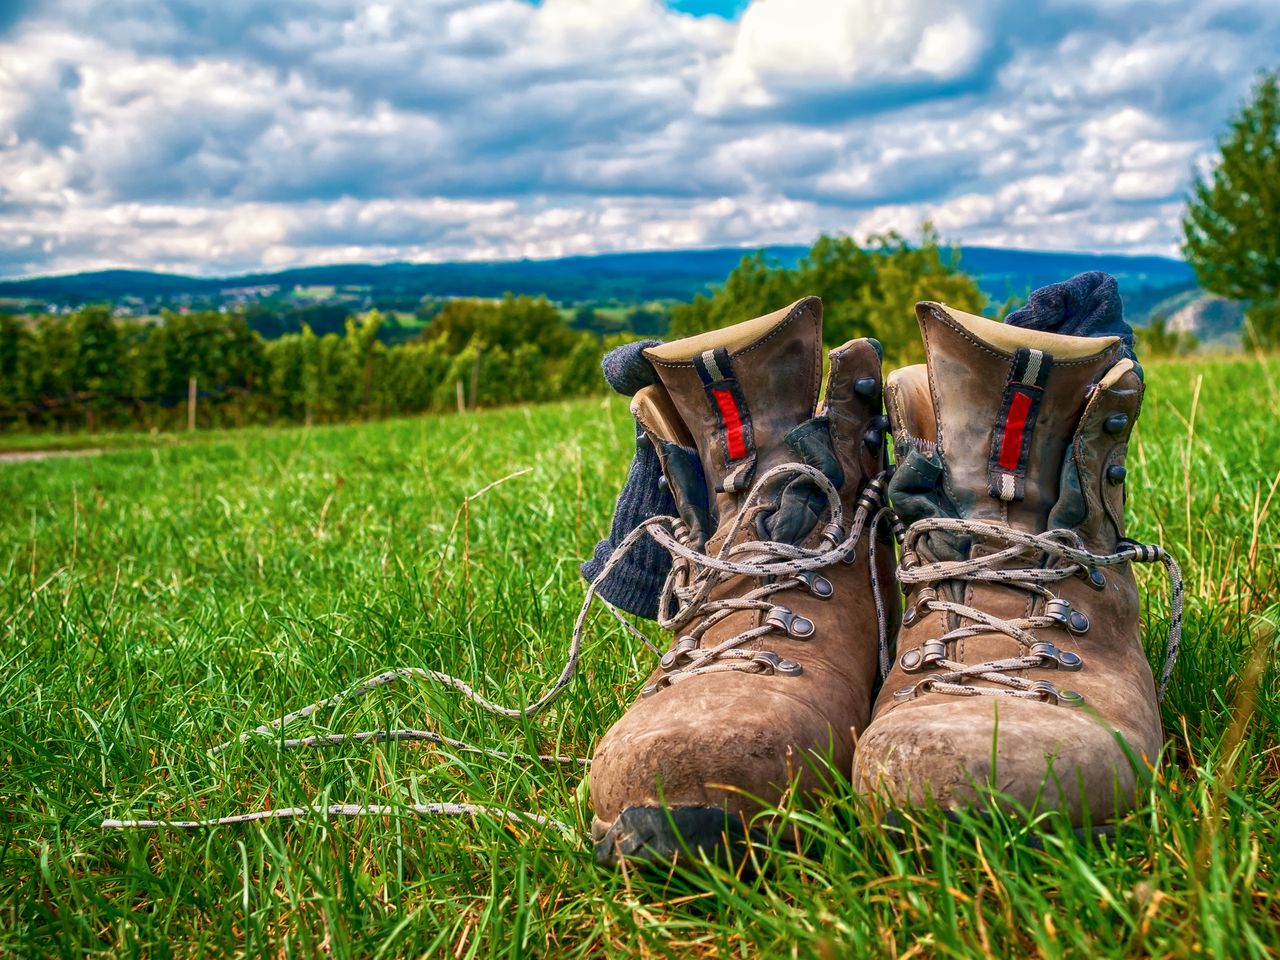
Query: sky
[232, 135]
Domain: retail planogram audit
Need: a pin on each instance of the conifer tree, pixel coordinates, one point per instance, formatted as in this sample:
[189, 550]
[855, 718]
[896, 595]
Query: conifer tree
[1232, 237]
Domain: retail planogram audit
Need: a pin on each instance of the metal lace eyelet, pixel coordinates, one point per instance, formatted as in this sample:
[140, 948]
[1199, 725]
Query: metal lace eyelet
[680, 653]
[774, 664]
[657, 686]
[793, 624]
[1053, 658]
[1043, 649]
[920, 608]
[911, 661]
[766, 659]
[788, 668]
[931, 651]
[1045, 691]
[817, 584]
[1070, 661]
[1115, 423]
[1077, 622]
[915, 690]
[1096, 579]
[1058, 609]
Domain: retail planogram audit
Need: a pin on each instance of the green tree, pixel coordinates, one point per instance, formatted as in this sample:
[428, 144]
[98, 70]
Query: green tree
[14, 350]
[867, 290]
[285, 360]
[579, 372]
[1262, 325]
[1157, 340]
[1230, 231]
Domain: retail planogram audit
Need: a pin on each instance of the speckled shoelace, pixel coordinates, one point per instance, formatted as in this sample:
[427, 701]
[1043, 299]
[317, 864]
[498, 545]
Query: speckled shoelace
[1052, 557]
[686, 593]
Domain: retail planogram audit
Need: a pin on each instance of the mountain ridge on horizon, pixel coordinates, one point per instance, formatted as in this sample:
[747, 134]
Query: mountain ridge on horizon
[697, 261]
[1151, 285]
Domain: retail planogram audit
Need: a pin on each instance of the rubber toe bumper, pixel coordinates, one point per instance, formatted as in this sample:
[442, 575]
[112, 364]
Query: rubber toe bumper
[661, 835]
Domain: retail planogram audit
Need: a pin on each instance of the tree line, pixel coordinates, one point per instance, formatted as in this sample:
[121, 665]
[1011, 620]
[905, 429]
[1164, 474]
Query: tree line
[92, 370]
[868, 289]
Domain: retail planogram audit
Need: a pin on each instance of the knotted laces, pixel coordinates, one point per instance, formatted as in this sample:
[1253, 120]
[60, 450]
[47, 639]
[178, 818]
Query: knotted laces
[696, 575]
[1050, 558]
[686, 593]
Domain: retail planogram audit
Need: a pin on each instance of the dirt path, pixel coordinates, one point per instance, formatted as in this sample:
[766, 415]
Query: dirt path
[17, 456]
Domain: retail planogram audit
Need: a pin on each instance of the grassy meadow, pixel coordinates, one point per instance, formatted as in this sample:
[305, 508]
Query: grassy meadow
[157, 600]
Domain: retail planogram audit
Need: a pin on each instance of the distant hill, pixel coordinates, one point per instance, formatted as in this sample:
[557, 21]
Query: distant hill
[633, 277]
[1147, 282]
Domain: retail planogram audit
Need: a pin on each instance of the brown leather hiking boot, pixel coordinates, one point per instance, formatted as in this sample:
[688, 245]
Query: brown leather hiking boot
[1019, 664]
[770, 595]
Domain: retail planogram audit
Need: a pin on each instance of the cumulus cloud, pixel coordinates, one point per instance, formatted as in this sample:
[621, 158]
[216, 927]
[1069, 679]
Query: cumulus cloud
[791, 51]
[186, 135]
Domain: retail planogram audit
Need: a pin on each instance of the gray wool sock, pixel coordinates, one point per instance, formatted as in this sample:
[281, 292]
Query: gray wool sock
[636, 583]
[1087, 305]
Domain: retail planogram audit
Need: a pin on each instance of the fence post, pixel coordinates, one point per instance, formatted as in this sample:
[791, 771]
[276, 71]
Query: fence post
[475, 381]
[191, 404]
[462, 407]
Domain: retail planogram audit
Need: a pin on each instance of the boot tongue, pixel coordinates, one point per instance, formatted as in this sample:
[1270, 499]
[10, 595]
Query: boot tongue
[1006, 402]
[740, 390]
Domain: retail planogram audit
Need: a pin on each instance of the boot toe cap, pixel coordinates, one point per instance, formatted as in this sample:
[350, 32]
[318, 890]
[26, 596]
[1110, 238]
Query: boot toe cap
[725, 752]
[1038, 756]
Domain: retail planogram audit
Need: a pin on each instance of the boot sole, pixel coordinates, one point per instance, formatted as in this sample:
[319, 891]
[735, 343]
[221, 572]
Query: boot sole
[666, 835]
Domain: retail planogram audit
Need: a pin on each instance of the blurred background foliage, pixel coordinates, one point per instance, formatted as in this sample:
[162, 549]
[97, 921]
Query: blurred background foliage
[91, 369]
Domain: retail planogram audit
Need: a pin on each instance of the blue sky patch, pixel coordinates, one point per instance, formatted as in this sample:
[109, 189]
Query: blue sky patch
[728, 9]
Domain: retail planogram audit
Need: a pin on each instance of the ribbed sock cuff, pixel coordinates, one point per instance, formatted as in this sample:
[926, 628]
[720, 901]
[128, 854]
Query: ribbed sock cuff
[1087, 305]
[635, 584]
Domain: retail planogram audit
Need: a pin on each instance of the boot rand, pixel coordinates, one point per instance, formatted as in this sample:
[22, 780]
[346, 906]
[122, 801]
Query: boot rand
[1027, 429]
[695, 757]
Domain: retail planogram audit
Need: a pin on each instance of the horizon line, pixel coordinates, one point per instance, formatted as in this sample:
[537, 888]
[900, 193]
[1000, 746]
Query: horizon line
[746, 249]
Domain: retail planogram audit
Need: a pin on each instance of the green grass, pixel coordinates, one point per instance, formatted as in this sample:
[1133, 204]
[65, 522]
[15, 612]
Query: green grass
[158, 600]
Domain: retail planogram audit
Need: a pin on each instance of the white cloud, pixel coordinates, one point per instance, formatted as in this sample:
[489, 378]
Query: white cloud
[145, 133]
[784, 45]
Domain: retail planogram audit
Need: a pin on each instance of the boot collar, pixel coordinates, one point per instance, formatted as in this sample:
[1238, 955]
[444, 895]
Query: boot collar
[1000, 404]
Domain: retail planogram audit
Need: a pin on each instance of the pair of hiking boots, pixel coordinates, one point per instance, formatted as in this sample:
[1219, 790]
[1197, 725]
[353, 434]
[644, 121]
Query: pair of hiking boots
[1003, 651]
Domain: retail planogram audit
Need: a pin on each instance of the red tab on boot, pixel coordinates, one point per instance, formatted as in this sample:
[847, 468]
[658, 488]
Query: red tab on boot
[1011, 438]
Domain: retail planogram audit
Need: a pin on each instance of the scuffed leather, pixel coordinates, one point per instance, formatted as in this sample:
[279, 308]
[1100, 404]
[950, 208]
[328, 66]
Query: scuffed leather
[801, 502]
[735, 740]
[967, 379]
[1116, 682]
[779, 376]
[730, 739]
[1078, 759]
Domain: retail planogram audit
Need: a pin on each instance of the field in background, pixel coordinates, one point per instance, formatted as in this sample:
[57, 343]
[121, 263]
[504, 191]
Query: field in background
[156, 601]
